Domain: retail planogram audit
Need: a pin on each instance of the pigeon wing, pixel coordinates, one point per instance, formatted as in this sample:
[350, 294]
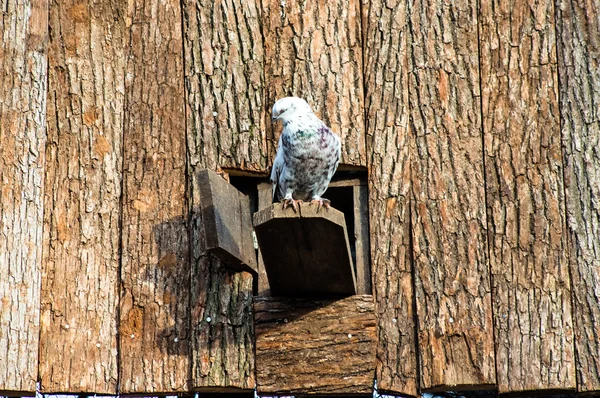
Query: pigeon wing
[277, 171]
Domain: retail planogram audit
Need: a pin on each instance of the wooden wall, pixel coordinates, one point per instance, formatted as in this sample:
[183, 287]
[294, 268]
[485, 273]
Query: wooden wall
[476, 122]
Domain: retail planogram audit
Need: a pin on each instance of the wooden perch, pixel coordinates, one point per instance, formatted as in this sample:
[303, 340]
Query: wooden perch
[315, 346]
[305, 253]
[227, 223]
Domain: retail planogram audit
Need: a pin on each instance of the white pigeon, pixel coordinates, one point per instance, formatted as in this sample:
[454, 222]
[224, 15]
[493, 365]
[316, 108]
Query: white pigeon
[307, 156]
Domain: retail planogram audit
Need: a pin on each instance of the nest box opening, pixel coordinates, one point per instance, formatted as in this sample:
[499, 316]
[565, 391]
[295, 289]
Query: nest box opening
[310, 233]
[328, 250]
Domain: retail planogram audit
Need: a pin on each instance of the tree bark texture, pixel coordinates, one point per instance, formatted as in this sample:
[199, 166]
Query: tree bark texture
[224, 77]
[23, 88]
[222, 330]
[222, 327]
[579, 78]
[313, 50]
[79, 300]
[108, 111]
[450, 248]
[225, 114]
[306, 346]
[525, 197]
[387, 133]
[154, 342]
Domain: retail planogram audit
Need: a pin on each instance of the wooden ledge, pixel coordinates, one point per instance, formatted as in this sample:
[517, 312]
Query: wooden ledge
[305, 253]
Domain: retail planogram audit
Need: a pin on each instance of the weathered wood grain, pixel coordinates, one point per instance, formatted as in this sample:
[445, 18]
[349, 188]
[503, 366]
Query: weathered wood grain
[362, 249]
[313, 50]
[305, 252]
[154, 327]
[86, 76]
[224, 75]
[222, 331]
[578, 25]
[227, 222]
[385, 38]
[315, 347]
[350, 196]
[265, 199]
[525, 197]
[453, 294]
[23, 88]
[225, 128]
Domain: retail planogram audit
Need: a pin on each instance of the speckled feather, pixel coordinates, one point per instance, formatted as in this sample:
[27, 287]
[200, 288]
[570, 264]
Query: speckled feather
[308, 153]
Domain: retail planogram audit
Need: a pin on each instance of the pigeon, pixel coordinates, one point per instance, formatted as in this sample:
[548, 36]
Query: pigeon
[307, 155]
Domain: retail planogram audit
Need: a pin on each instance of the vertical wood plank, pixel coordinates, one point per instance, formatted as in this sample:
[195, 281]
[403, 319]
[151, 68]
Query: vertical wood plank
[23, 88]
[360, 198]
[525, 197]
[313, 50]
[579, 79]
[265, 199]
[154, 325]
[78, 338]
[224, 62]
[450, 249]
[224, 75]
[387, 131]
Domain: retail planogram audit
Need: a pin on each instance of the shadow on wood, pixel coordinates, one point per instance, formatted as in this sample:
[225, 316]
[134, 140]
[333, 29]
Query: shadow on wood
[305, 253]
[173, 267]
[200, 323]
[143, 316]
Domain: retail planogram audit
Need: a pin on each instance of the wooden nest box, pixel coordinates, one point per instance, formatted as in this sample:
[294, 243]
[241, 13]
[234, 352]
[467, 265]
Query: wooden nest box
[305, 253]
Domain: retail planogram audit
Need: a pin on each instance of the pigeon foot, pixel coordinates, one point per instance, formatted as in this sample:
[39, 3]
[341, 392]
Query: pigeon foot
[321, 203]
[285, 203]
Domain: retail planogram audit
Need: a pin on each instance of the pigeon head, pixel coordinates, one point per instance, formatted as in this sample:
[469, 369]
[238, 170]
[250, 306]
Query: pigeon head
[288, 107]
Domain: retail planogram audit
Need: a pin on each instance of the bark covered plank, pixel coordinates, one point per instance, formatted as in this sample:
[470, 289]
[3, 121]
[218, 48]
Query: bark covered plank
[225, 84]
[80, 288]
[154, 315]
[23, 88]
[306, 346]
[387, 51]
[579, 79]
[453, 292]
[525, 197]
